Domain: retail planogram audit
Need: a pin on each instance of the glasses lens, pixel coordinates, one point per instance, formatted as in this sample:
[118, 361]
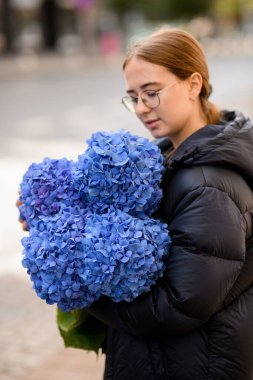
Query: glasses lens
[128, 102]
[150, 98]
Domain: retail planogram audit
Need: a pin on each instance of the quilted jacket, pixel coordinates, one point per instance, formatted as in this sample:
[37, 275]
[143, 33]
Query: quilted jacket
[196, 323]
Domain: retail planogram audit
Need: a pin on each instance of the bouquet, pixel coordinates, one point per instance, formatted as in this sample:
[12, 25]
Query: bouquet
[90, 227]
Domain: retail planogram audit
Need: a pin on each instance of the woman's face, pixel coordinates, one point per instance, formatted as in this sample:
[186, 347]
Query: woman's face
[173, 117]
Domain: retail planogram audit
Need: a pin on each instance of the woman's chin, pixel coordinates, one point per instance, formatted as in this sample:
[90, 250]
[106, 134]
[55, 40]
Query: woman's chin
[156, 133]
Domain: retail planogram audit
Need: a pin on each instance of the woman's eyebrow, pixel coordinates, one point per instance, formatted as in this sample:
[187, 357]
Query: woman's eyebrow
[143, 86]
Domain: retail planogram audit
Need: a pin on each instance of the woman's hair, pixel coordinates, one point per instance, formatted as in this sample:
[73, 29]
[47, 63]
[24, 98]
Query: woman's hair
[182, 55]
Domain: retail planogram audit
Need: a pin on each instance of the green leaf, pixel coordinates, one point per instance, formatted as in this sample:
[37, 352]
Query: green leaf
[81, 330]
[67, 321]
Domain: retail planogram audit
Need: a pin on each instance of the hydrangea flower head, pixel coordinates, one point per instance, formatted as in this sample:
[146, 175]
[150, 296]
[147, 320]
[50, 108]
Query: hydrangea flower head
[55, 260]
[122, 170]
[90, 231]
[73, 259]
[47, 187]
[124, 254]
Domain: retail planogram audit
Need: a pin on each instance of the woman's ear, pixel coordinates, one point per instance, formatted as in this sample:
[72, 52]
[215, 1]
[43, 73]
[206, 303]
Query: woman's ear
[195, 85]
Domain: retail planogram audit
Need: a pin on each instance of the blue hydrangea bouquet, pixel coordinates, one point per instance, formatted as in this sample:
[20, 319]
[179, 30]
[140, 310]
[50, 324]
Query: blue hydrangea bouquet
[91, 231]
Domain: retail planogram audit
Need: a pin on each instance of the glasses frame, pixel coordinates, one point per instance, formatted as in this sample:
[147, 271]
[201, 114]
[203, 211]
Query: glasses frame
[127, 100]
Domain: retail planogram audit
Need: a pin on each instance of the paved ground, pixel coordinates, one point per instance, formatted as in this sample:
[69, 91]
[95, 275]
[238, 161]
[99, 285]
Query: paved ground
[49, 108]
[31, 347]
[68, 364]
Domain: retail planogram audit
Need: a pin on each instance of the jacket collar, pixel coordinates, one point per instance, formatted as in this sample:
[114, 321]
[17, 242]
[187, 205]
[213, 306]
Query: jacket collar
[202, 146]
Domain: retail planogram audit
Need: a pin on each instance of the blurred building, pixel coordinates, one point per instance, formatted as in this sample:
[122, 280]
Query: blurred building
[104, 27]
[38, 25]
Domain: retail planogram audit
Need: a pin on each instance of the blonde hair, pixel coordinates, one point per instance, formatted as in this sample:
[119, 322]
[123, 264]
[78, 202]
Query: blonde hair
[181, 54]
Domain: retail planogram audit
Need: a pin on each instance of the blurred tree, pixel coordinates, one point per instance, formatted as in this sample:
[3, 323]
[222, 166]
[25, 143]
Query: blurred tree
[183, 9]
[231, 10]
[249, 4]
[121, 6]
[161, 9]
[229, 13]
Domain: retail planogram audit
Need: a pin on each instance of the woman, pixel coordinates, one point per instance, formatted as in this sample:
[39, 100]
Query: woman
[196, 323]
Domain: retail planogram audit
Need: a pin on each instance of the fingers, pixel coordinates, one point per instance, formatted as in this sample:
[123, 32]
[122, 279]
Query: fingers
[22, 221]
[18, 203]
[24, 226]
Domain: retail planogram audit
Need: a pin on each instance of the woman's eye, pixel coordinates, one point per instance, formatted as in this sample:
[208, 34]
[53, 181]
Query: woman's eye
[134, 99]
[151, 94]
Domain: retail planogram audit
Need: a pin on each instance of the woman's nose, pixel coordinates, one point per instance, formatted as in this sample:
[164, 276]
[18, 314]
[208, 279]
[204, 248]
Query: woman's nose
[141, 107]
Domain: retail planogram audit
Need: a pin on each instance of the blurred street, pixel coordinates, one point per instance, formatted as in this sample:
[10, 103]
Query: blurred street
[49, 107]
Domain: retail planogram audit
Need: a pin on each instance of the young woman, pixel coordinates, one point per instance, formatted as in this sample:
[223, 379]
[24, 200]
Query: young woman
[196, 323]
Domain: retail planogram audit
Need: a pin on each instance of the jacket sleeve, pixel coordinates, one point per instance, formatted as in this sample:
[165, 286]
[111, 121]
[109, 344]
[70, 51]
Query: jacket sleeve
[205, 259]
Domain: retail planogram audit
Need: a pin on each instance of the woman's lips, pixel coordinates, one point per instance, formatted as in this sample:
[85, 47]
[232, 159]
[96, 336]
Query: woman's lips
[152, 123]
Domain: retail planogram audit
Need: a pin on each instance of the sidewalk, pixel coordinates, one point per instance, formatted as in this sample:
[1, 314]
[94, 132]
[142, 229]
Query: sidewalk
[32, 65]
[32, 348]
[68, 364]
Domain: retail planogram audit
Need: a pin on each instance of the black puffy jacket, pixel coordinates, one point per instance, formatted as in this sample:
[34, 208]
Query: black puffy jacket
[197, 321]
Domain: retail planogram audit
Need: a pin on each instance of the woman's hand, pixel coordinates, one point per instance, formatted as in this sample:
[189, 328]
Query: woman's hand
[22, 221]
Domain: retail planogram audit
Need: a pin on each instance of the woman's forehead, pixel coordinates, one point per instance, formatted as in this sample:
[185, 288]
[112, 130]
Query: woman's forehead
[139, 72]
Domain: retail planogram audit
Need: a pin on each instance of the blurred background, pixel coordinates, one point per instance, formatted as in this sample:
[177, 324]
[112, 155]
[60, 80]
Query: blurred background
[61, 80]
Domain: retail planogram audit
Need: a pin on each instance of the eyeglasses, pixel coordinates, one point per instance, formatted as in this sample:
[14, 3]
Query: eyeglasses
[150, 98]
